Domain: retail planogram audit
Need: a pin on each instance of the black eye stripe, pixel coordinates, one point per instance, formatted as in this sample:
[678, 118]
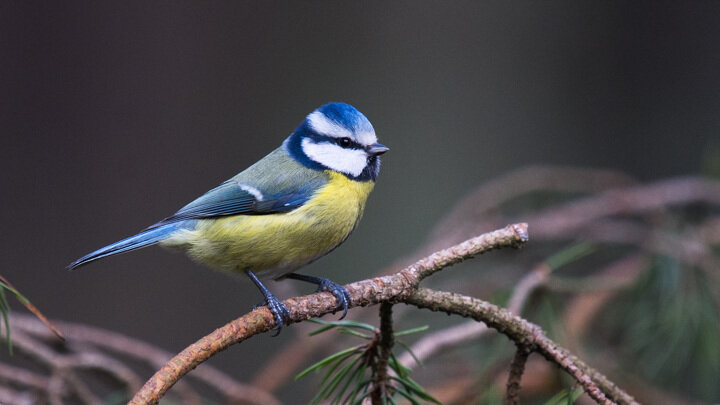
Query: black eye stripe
[348, 143]
[341, 142]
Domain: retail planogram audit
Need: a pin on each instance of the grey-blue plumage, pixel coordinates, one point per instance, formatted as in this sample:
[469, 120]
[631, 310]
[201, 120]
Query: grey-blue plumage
[291, 207]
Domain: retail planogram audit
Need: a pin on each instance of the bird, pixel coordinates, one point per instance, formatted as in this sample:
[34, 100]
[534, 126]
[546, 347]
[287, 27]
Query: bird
[285, 211]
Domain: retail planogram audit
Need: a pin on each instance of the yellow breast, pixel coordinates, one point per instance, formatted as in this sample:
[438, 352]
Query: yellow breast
[276, 244]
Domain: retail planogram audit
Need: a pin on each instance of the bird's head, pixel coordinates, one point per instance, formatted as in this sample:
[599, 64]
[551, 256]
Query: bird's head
[338, 137]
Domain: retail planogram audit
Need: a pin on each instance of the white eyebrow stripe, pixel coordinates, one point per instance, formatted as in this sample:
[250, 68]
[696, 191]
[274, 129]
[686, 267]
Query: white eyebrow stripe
[252, 190]
[348, 161]
[325, 126]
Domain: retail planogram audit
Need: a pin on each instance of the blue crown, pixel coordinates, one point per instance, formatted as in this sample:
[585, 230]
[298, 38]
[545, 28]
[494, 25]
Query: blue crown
[347, 116]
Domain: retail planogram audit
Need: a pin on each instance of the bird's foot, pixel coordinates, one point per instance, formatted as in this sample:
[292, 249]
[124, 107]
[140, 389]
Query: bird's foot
[341, 294]
[279, 311]
[277, 308]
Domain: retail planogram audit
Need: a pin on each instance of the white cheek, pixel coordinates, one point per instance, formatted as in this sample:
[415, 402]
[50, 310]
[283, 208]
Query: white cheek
[348, 161]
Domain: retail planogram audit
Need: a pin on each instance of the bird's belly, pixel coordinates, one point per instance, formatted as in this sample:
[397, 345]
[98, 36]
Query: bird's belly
[276, 244]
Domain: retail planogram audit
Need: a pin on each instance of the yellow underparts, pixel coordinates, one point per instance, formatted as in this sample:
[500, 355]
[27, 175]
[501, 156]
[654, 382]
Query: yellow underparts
[276, 244]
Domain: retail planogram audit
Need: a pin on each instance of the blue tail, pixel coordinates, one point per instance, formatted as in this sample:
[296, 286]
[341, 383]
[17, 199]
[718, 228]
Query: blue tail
[145, 238]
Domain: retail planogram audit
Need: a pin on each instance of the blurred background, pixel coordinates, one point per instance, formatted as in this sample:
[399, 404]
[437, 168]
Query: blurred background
[115, 114]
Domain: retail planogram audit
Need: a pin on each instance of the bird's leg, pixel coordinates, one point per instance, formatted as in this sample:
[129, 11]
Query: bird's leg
[341, 294]
[278, 309]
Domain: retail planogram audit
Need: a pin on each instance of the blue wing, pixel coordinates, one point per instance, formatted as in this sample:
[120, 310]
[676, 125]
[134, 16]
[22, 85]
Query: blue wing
[252, 192]
[234, 198]
[230, 198]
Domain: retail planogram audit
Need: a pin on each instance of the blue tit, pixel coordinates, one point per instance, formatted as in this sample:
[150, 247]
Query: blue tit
[288, 209]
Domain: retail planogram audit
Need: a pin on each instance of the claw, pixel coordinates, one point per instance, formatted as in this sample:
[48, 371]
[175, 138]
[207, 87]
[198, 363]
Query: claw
[341, 294]
[279, 311]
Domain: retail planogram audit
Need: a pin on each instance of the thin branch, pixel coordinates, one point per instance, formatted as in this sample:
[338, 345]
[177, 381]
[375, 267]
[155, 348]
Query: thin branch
[527, 285]
[392, 288]
[517, 368]
[619, 274]
[16, 376]
[565, 218]
[63, 378]
[435, 342]
[82, 336]
[112, 367]
[475, 209]
[523, 333]
[385, 344]
[571, 218]
[10, 396]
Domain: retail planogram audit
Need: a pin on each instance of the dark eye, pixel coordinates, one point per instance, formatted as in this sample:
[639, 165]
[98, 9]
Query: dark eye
[345, 142]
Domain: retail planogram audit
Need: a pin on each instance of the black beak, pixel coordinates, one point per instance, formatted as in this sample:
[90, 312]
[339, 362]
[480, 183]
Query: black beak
[377, 149]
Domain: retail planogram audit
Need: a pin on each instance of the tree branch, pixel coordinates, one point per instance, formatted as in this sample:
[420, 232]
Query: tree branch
[517, 367]
[385, 344]
[83, 340]
[435, 342]
[473, 214]
[393, 288]
[523, 333]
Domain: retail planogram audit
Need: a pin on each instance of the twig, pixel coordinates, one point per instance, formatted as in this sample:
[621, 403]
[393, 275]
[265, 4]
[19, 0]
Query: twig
[385, 344]
[622, 273]
[523, 333]
[109, 365]
[455, 335]
[517, 367]
[527, 285]
[10, 396]
[571, 218]
[631, 200]
[393, 288]
[63, 378]
[467, 214]
[17, 376]
[85, 339]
